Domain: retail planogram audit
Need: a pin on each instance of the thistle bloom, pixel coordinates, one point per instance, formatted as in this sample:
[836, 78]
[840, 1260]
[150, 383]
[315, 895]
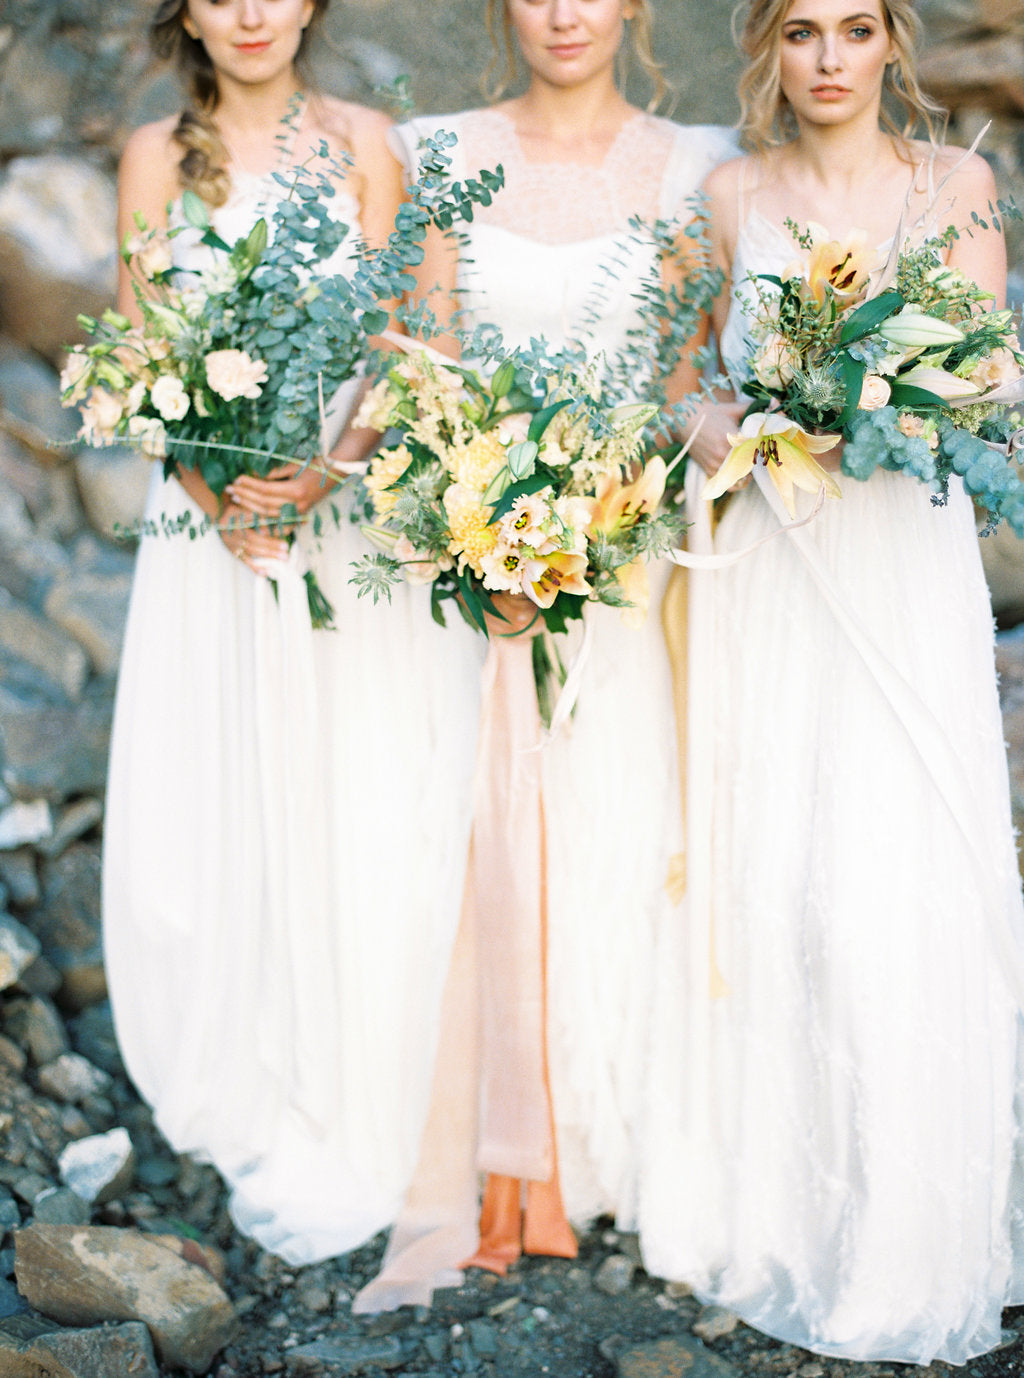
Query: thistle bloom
[786, 450]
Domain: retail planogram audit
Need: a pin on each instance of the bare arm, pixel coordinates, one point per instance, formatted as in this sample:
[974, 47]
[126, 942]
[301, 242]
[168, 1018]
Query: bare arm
[979, 253]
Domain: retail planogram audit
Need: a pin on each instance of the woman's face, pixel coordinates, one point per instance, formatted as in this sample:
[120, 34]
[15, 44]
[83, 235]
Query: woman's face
[566, 42]
[832, 58]
[251, 41]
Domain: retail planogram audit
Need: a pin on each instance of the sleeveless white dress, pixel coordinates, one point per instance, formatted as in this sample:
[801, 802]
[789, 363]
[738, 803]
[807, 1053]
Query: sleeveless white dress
[834, 1147]
[287, 821]
[554, 258]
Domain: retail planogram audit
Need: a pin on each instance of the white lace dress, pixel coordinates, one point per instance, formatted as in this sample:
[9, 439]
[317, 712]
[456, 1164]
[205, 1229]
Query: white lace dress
[834, 1145]
[554, 258]
[287, 821]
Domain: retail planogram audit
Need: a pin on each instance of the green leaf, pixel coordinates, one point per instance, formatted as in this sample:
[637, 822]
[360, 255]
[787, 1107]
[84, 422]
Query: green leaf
[533, 484]
[906, 395]
[472, 602]
[853, 371]
[194, 210]
[504, 377]
[867, 317]
[256, 242]
[543, 418]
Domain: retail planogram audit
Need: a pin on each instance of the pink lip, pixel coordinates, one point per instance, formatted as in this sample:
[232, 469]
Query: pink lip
[830, 92]
[568, 50]
[253, 47]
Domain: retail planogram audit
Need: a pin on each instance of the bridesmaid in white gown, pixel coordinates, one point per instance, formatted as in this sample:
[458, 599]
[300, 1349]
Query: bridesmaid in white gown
[835, 1138]
[554, 258]
[288, 809]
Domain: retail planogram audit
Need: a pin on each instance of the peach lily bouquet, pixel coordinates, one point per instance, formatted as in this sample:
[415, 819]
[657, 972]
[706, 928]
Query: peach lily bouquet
[896, 356]
[523, 483]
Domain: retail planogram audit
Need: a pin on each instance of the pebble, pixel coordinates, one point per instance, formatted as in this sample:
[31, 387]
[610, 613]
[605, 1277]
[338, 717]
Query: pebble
[615, 1275]
[677, 1291]
[714, 1323]
[60, 1206]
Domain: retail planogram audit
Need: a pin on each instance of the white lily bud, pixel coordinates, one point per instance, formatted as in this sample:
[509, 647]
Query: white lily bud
[945, 385]
[914, 329]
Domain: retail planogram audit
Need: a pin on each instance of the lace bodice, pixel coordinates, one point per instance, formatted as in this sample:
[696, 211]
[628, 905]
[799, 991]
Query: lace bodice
[554, 256]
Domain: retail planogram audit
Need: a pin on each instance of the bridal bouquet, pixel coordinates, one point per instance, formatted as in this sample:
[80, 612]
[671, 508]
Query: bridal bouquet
[229, 371]
[523, 484]
[910, 370]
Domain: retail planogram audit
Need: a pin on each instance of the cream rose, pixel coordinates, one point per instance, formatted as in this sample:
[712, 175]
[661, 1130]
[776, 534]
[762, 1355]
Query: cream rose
[414, 569]
[169, 397]
[100, 417]
[874, 393]
[775, 363]
[74, 376]
[1000, 367]
[232, 373]
[152, 253]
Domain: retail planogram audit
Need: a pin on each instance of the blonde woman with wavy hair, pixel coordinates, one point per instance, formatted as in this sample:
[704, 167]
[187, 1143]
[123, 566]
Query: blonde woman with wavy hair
[259, 933]
[834, 1150]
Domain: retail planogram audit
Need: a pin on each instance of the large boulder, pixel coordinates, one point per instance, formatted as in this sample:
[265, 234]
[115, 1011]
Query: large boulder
[57, 249]
[80, 1275]
[34, 1348]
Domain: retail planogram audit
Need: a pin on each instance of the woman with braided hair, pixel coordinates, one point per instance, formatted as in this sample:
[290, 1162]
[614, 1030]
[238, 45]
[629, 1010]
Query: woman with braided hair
[260, 936]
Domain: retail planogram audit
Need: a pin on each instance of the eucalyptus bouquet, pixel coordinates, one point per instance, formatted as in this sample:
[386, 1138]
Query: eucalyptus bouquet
[524, 483]
[229, 371]
[900, 359]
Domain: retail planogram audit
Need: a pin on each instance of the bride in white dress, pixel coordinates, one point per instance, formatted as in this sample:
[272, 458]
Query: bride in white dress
[834, 1145]
[288, 809]
[554, 259]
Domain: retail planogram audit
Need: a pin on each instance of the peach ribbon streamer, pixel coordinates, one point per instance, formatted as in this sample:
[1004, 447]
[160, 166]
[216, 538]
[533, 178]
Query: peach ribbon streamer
[490, 1105]
[686, 620]
[515, 1135]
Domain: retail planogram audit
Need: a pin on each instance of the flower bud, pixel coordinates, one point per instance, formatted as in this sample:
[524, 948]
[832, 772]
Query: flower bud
[914, 329]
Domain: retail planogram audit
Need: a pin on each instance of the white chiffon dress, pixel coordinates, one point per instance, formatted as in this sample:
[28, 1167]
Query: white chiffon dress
[554, 258]
[286, 830]
[833, 1147]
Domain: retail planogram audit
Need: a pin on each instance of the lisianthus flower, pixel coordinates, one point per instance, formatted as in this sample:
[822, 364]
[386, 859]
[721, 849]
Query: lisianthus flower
[775, 362]
[1000, 367]
[527, 522]
[503, 568]
[843, 267]
[100, 417]
[169, 397]
[232, 373]
[616, 504]
[74, 377]
[787, 451]
[151, 252]
[547, 576]
[150, 434]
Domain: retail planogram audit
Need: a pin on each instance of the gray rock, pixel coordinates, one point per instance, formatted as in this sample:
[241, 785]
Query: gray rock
[10, 1215]
[29, 1187]
[615, 1274]
[53, 748]
[40, 978]
[35, 1024]
[49, 650]
[72, 1078]
[346, 1356]
[92, 609]
[24, 821]
[113, 484]
[57, 237]
[11, 1304]
[484, 1338]
[33, 1348]
[18, 950]
[30, 396]
[672, 1358]
[67, 923]
[75, 820]
[79, 1276]
[11, 1056]
[60, 1206]
[99, 1168]
[714, 1322]
[20, 878]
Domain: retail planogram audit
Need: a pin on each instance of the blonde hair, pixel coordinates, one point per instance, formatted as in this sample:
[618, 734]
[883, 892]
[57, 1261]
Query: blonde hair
[503, 68]
[765, 117]
[204, 162]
